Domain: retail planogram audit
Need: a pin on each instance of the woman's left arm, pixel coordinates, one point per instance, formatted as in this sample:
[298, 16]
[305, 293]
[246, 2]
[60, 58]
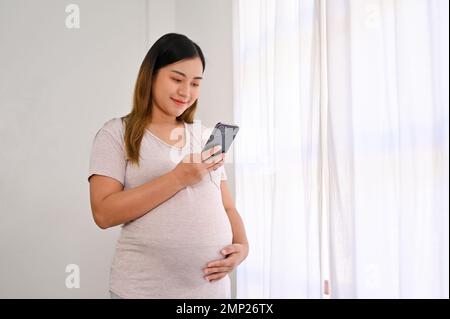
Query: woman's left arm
[238, 250]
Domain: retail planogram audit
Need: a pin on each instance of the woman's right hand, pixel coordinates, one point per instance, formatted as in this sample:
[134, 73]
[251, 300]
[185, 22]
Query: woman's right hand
[196, 165]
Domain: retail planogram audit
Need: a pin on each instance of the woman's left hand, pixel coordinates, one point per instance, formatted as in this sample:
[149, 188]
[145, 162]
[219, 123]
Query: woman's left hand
[235, 254]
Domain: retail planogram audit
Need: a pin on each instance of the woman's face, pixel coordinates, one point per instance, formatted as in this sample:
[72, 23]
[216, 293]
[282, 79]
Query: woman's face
[177, 86]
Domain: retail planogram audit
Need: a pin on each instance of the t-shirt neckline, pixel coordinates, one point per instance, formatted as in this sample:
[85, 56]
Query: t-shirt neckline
[186, 138]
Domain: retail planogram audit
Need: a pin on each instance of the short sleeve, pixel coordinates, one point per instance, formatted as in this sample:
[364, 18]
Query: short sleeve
[223, 175]
[107, 157]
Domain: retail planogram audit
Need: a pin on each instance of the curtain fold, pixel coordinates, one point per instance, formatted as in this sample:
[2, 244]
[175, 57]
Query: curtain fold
[276, 155]
[342, 156]
[388, 64]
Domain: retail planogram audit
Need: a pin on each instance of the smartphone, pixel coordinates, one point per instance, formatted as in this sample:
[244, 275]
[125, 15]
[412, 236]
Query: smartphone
[223, 134]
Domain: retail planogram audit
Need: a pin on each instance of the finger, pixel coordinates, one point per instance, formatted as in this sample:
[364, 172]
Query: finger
[215, 149]
[214, 159]
[206, 154]
[211, 159]
[222, 156]
[217, 276]
[211, 151]
[215, 166]
[212, 270]
[219, 263]
[217, 163]
[230, 261]
[231, 249]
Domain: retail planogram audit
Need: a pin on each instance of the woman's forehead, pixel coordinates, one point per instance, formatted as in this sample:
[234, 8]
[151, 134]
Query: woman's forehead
[191, 68]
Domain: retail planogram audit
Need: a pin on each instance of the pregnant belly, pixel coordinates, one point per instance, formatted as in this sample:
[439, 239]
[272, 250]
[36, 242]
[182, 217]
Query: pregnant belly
[168, 247]
[171, 252]
[151, 265]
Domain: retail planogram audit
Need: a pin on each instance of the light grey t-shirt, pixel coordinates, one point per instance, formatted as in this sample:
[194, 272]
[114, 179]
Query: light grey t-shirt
[162, 253]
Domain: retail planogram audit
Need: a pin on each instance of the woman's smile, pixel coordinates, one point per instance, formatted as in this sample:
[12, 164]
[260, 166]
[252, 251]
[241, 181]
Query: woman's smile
[180, 103]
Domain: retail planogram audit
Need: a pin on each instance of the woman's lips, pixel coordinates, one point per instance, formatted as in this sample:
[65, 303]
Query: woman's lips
[179, 102]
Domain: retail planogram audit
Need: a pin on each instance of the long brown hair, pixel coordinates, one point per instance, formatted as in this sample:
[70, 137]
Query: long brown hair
[168, 49]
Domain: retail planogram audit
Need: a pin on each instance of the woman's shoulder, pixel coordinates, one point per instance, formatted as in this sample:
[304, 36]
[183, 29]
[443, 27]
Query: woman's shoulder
[113, 123]
[114, 127]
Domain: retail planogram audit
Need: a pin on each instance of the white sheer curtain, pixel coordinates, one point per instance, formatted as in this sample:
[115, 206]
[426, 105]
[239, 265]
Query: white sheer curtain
[277, 97]
[343, 108]
[388, 148]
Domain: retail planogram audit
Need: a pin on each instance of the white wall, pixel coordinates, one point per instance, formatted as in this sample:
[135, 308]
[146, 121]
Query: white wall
[57, 87]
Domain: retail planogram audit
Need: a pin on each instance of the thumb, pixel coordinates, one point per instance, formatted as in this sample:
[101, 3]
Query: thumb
[228, 250]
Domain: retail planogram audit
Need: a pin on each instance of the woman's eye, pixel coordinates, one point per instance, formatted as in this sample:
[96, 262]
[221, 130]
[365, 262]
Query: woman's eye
[178, 81]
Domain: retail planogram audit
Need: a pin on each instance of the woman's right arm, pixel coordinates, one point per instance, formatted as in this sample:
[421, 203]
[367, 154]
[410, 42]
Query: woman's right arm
[112, 206]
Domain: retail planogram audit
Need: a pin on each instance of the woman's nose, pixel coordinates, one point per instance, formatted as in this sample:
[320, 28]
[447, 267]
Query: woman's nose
[183, 90]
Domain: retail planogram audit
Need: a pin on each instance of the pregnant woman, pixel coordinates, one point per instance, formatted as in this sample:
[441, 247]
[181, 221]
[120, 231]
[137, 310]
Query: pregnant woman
[181, 234]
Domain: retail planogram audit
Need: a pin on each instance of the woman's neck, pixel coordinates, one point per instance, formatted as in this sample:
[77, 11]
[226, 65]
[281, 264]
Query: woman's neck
[159, 120]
